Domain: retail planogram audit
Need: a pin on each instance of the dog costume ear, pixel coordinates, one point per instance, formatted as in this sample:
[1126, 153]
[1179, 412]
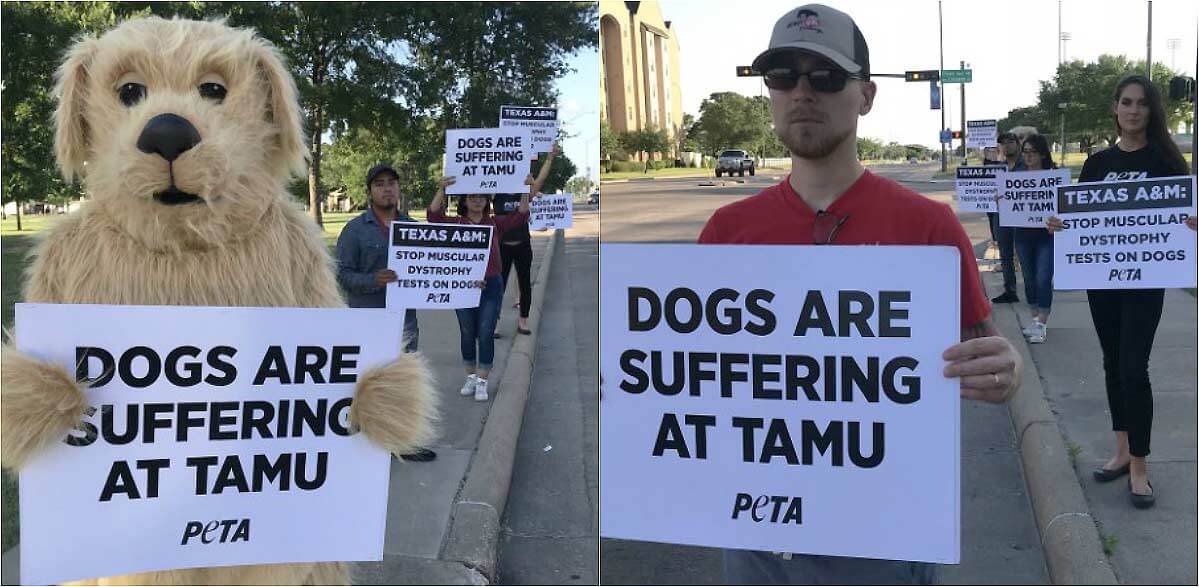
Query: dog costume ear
[285, 113]
[71, 132]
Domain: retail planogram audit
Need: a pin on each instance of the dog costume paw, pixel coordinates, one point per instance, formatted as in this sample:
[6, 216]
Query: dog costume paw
[395, 405]
[41, 402]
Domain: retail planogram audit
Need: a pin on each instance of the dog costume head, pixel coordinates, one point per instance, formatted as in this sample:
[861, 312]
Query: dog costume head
[183, 132]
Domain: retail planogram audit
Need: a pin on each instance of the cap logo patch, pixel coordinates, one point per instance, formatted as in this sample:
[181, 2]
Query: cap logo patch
[806, 20]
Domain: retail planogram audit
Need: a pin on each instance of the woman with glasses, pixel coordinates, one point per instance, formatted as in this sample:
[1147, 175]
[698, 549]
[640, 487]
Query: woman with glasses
[1126, 319]
[1034, 246]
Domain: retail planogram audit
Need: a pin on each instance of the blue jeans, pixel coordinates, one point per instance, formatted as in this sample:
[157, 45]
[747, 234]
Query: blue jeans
[411, 331]
[477, 325]
[750, 567]
[1035, 247]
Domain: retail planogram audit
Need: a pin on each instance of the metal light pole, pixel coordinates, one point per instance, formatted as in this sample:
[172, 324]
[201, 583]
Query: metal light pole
[963, 87]
[941, 84]
[1173, 45]
[1149, 45]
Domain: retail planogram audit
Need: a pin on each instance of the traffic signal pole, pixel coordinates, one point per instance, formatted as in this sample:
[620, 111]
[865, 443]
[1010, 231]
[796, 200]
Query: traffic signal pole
[941, 30]
[963, 86]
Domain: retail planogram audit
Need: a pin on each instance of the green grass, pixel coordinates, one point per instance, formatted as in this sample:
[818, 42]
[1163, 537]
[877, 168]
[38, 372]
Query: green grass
[1073, 450]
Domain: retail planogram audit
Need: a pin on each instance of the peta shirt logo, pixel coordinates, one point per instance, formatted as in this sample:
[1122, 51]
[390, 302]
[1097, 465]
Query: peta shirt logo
[1122, 175]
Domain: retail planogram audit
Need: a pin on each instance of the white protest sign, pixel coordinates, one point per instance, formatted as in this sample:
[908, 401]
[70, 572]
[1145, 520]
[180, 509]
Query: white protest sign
[1125, 235]
[438, 266]
[487, 160]
[551, 211]
[976, 188]
[214, 437]
[981, 133]
[541, 121]
[1027, 198]
[781, 403]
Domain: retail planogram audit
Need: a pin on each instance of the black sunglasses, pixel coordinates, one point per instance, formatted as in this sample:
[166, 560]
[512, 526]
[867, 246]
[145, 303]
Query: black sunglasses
[827, 81]
[825, 227]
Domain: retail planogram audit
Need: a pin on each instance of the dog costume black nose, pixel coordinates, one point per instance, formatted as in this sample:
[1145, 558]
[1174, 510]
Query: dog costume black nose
[169, 135]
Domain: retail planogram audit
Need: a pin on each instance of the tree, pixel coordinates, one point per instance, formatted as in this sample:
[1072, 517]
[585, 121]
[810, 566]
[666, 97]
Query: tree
[729, 120]
[609, 141]
[560, 173]
[580, 184]
[648, 140]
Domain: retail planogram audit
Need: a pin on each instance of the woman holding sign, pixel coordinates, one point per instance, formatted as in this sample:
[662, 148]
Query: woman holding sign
[516, 247]
[1034, 246]
[1126, 319]
[477, 325]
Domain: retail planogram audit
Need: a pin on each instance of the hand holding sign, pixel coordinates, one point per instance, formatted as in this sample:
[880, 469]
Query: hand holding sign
[988, 366]
[1054, 224]
[385, 277]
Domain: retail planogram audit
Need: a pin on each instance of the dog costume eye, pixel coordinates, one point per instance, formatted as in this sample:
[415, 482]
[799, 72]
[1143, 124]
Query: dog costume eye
[131, 93]
[213, 91]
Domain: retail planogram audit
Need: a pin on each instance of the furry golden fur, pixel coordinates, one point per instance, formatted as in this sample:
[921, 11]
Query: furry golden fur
[244, 243]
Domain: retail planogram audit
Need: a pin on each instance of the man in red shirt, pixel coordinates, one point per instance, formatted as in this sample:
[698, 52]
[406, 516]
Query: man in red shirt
[818, 70]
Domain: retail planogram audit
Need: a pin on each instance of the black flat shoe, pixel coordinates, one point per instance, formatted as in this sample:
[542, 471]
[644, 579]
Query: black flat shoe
[524, 331]
[1104, 475]
[420, 455]
[1139, 501]
[1006, 298]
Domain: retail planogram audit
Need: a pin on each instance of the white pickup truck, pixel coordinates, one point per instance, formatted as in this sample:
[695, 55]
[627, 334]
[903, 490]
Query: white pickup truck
[734, 161]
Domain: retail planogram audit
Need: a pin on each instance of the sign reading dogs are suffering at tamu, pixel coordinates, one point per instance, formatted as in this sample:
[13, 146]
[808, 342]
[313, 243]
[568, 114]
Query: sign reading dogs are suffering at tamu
[781, 403]
[1125, 235]
[551, 211]
[977, 187]
[437, 266]
[212, 437]
[487, 160]
[541, 121]
[1027, 198]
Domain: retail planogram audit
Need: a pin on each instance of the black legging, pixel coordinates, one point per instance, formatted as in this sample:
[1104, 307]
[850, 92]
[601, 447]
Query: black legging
[522, 254]
[1126, 321]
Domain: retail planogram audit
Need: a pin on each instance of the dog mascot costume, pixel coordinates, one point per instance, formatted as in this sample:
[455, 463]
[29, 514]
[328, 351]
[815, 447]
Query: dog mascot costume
[190, 131]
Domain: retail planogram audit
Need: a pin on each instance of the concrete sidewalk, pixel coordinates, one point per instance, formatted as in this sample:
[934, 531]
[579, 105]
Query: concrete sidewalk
[1157, 546]
[443, 516]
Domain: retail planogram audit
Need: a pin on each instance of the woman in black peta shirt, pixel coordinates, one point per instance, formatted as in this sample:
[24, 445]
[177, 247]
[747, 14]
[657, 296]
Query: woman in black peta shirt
[1126, 319]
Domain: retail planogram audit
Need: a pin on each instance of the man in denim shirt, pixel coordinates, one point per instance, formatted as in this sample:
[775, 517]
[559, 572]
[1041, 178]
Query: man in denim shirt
[362, 256]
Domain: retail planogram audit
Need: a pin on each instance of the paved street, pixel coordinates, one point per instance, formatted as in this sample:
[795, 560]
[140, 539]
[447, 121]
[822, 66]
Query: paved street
[549, 530]
[1000, 542]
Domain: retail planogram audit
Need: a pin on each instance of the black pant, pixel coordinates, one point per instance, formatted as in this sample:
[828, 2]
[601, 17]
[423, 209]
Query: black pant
[1126, 321]
[1004, 235]
[522, 255]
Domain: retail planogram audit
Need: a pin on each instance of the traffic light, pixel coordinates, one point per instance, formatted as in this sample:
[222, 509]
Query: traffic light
[957, 134]
[746, 71]
[923, 75]
[1182, 88]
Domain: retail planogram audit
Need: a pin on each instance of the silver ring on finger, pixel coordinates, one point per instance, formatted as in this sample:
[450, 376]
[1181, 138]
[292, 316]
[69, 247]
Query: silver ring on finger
[996, 376]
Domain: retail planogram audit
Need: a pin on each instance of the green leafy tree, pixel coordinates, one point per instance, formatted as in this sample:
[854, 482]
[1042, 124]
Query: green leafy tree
[649, 140]
[561, 172]
[732, 121]
[609, 141]
[580, 185]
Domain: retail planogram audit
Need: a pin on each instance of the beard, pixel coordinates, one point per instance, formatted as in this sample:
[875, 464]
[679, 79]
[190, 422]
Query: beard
[811, 145]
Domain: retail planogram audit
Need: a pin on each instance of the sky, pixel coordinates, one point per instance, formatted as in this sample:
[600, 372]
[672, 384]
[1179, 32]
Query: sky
[578, 111]
[1010, 45]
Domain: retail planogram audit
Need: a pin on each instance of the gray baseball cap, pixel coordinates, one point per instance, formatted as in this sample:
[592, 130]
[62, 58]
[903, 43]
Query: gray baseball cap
[816, 28]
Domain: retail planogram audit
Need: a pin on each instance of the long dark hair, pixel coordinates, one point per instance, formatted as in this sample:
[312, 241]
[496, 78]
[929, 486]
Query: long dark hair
[462, 205]
[1155, 130]
[1039, 143]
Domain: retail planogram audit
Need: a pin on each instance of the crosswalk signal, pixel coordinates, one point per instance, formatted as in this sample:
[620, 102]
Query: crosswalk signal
[957, 134]
[922, 75]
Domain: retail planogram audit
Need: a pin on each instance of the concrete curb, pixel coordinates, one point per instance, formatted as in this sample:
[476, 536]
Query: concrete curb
[1069, 536]
[474, 532]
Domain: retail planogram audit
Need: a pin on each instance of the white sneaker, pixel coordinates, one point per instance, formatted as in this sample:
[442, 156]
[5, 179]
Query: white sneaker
[1033, 328]
[1038, 337]
[469, 387]
[480, 389]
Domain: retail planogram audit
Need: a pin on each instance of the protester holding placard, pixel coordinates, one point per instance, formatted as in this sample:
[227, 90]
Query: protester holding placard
[516, 248]
[817, 68]
[477, 325]
[1035, 248]
[362, 258]
[1126, 319]
[1010, 148]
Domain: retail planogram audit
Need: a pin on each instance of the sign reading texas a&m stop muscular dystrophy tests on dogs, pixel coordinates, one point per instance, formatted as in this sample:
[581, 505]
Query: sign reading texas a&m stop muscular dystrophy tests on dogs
[541, 121]
[438, 266]
[781, 403]
[1125, 235]
[212, 437]
[976, 187]
[1028, 198]
[488, 160]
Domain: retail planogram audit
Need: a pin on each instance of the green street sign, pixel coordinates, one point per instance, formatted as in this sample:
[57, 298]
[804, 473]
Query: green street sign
[956, 76]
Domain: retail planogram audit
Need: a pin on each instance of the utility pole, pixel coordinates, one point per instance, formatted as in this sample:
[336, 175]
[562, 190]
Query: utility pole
[1149, 45]
[941, 84]
[963, 87]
